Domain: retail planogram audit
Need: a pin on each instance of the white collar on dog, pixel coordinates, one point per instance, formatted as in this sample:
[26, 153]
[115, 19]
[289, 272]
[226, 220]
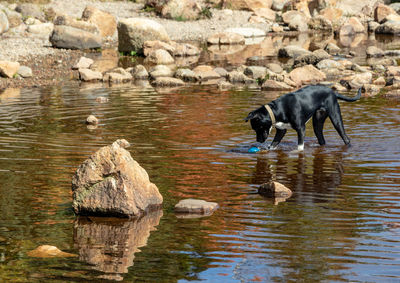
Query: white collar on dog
[271, 114]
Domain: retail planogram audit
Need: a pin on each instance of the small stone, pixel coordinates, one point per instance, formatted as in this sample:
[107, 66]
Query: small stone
[46, 251]
[83, 63]
[88, 75]
[92, 120]
[196, 206]
[373, 51]
[274, 189]
[139, 72]
[25, 72]
[102, 99]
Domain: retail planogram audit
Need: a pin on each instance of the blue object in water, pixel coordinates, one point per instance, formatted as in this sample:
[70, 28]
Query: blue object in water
[253, 149]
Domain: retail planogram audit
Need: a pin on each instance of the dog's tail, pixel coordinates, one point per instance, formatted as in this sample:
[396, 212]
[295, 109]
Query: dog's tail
[349, 99]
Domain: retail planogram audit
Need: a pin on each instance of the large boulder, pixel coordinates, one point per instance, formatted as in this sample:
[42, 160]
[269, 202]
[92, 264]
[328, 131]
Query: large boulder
[73, 38]
[112, 183]
[133, 32]
[381, 12]
[105, 22]
[306, 74]
[4, 25]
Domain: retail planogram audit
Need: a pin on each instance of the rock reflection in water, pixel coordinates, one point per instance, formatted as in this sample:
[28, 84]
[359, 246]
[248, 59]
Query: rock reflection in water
[110, 244]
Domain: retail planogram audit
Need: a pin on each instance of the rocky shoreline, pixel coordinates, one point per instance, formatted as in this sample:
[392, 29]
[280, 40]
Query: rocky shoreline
[184, 44]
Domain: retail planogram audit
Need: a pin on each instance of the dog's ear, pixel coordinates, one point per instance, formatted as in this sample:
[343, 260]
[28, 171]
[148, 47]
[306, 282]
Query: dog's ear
[251, 115]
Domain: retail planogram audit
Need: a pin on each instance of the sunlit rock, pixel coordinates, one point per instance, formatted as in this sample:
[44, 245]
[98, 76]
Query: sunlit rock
[275, 190]
[192, 208]
[48, 251]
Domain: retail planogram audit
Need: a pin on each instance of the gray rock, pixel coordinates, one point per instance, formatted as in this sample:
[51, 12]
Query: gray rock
[111, 183]
[186, 75]
[73, 38]
[389, 27]
[65, 20]
[255, 72]
[292, 51]
[372, 26]
[271, 85]
[139, 72]
[205, 73]
[167, 82]
[196, 206]
[4, 25]
[276, 68]
[14, 18]
[161, 71]
[320, 23]
[305, 59]
[332, 49]
[133, 32]
[373, 51]
[30, 10]
[329, 64]
[239, 77]
[25, 72]
[41, 29]
[221, 71]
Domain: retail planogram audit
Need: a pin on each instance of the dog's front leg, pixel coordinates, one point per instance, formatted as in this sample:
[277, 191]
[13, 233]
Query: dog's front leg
[301, 133]
[280, 133]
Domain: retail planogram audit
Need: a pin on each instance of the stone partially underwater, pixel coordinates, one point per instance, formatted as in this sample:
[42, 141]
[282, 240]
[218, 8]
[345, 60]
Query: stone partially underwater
[112, 183]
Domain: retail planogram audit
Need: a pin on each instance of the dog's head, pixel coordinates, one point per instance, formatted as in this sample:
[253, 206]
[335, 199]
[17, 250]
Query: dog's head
[260, 122]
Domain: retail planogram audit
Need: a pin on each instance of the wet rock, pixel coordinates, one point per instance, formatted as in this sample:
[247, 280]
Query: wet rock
[226, 38]
[28, 10]
[14, 18]
[167, 82]
[372, 26]
[239, 77]
[320, 23]
[4, 25]
[83, 63]
[88, 75]
[109, 244]
[185, 49]
[118, 75]
[381, 12]
[389, 27]
[139, 72]
[196, 206]
[105, 22]
[255, 72]
[161, 71]
[373, 51]
[292, 51]
[306, 74]
[46, 251]
[25, 72]
[92, 120]
[275, 190]
[151, 45]
[332, 49]
[205, 73]
[159, 57]
[247, 32]
[44, 29]
[65, 20]
[186, 75]
[8, 69]
[133, 32]
[73, 38]
[271, 85]
[224, 85]
[221, 71]
[305, 59]
[112, 183]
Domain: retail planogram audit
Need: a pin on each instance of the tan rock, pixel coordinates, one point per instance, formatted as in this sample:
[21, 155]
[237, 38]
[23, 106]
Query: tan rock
[382, 11]
[226, 38]
[88, 75]
[151, 45]
[66, 20]
[271, 85]
[275, 190]
[105, 22]
[167, 82]
[265, 13]
[196, 206]
[8, 69]
[46, 251]
[159, 56]
[249, 5]
[306, 74]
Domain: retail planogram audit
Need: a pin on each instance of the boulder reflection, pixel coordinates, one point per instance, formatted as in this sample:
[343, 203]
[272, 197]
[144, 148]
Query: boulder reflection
[110, 244]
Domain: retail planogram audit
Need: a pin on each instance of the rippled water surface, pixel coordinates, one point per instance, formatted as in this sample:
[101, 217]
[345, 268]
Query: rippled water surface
[341, 224]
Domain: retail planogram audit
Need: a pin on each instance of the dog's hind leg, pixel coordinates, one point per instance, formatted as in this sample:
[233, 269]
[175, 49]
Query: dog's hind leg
[278, 137]
[319, 118]
[336, 119]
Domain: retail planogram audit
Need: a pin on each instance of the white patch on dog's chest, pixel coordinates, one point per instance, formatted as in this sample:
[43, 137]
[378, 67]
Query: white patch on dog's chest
[282, 126]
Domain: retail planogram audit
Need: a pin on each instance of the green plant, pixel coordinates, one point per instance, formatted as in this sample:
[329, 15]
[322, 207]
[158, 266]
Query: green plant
[180, 18]
[206, 12]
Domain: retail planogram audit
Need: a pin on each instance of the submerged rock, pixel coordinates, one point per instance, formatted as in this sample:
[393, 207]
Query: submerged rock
[112, 183]
[196, 206]
[275, 190]
[48, 251]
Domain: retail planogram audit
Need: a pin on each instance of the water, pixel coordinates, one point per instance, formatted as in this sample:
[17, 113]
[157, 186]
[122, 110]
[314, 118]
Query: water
[341, 224]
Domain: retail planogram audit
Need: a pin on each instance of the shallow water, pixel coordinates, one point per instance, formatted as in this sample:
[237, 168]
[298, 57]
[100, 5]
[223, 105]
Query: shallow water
[341, 224]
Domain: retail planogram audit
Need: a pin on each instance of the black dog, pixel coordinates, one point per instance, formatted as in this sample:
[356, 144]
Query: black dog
[294, 109]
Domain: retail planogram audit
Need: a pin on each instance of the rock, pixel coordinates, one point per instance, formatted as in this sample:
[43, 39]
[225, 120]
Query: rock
[186, 75]
[184, 10]
[356, 24]
[373, 51]
[221, 71]
[249, 5]
[257, 20]
[4, 25]
[151, 45]
[167, 82]
[296, 21]
[256, 72]
[274, 67]
[133, 32]
[320, 23]
[247, 32]
[65, 20]
[205, 73]
[306, 74]
[88, 75]
[224, 85]
[239, 77]
[30, 10]
[393, 71]
[41, 29]
[277, 28]
[380, 81]
[139, 72]
[359, 80]
[271, 85]
[332, 49]
[395, 6]
[159, 57]
[46, 251]
[275, 190]
[118, 75]
[32, 21]
[372, 26]
[185, 49]
[279, 5]
[83, 63]
[321, 54]
[265, 13]
[73, 38]
[226, 38]
[92, 120]
[161, 71]
[105, 22]
[111, 183]
[389, 27]
[305, 59]
[329, 64]
[381, 12]
[196, 206]
[25, 72]
[14, 18]
[8, 69]
[333, 14]
[292, 51]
